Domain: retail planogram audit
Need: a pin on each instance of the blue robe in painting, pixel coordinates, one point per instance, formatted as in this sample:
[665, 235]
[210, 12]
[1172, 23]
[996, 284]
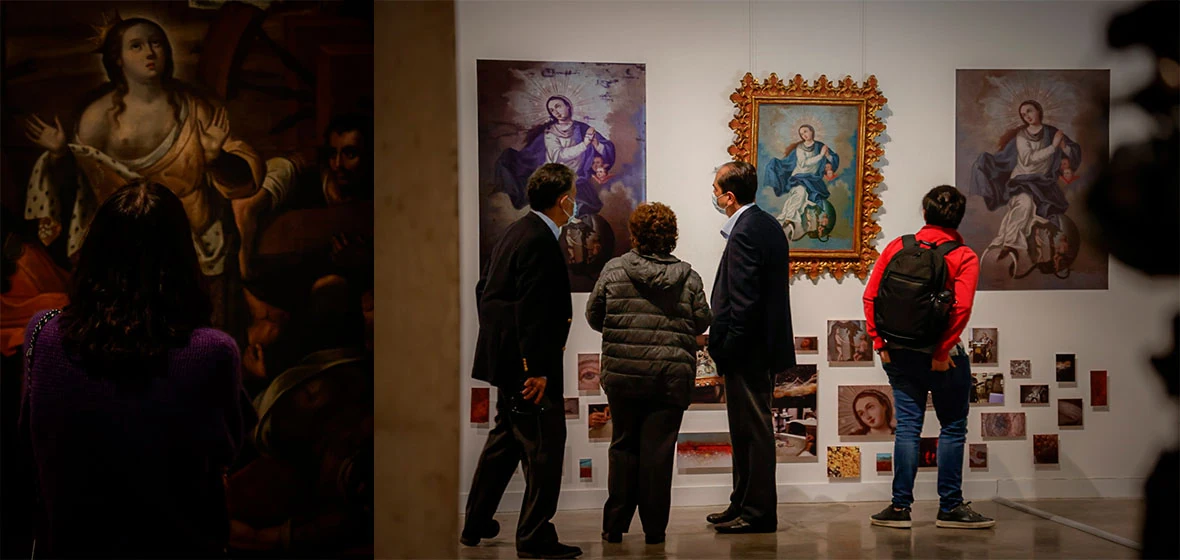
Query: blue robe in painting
[778, 174]
[514, 167]
[991, 177]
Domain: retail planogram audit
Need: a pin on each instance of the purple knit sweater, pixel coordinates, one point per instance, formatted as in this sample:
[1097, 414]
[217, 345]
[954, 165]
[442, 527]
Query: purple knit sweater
[134, 471]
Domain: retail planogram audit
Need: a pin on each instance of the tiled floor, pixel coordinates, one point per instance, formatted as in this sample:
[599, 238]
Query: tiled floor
[843, 531]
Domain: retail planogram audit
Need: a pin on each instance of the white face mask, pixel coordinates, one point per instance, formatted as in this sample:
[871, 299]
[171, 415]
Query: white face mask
[717, 204]
[571, 218]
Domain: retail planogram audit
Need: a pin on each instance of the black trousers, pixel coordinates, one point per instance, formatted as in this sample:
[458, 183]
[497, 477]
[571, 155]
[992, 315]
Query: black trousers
[537, 441]
[751, 430]
[642, 449]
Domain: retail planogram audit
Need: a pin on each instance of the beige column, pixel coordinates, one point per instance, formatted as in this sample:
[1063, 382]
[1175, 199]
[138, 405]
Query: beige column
[417, 281]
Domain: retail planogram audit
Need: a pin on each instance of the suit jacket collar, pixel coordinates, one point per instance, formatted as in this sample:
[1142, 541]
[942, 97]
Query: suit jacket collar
[727, 230]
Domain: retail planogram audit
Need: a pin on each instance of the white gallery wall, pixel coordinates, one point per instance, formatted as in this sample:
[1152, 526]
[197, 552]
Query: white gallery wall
[696, 53]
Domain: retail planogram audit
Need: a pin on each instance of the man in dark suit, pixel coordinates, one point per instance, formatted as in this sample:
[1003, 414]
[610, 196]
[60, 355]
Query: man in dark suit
[750, 341]
[524, 318]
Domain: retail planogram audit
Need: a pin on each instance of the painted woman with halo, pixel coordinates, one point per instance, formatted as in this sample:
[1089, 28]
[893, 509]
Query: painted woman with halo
[560, 139]
[145, 124]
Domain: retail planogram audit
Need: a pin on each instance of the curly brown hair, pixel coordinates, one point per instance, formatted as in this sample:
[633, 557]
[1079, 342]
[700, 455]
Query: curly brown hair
[653, 229]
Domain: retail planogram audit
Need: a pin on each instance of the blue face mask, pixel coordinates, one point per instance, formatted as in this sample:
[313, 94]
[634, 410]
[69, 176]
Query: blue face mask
[572, 218]
[717, 205]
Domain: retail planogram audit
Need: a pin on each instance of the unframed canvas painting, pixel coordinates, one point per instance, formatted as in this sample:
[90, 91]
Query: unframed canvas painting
[1028, 145]
[589, 116]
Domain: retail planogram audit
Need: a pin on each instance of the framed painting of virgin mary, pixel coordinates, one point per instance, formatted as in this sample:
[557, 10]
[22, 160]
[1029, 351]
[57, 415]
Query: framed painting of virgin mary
[815, 147]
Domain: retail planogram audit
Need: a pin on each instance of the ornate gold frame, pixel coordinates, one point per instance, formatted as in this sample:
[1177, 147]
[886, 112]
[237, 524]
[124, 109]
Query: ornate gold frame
[869, 100]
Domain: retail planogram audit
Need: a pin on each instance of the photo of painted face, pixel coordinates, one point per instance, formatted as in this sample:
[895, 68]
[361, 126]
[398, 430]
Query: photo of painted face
[807, 345]
[866, 410]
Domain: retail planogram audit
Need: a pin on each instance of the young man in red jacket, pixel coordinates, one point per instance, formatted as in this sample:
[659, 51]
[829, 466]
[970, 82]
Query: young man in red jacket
[944, 372]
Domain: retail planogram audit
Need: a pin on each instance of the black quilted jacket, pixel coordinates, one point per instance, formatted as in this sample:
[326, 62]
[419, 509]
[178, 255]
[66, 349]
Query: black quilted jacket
[649, 310]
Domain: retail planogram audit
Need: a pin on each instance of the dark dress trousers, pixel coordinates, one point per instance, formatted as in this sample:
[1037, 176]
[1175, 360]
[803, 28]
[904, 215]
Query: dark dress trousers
[750, 341]
[524, 319]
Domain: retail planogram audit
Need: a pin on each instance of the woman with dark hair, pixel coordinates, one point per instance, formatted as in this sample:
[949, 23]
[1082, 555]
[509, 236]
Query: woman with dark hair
[560, 139]
[873, 412]
[133, 406]
[145, 124]
[649, 307]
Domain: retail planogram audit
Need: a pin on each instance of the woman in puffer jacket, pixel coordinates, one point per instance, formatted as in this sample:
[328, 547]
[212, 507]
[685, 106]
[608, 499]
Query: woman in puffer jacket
[649, 307]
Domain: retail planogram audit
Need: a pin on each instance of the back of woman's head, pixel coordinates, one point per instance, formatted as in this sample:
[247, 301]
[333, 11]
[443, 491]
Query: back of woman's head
[137, 289]
[653, 229]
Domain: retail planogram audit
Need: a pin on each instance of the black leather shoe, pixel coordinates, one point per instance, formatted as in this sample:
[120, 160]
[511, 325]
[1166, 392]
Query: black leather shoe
[555, 550]
[739, 526]
[726, 516]
[612, 537]
[489, 531]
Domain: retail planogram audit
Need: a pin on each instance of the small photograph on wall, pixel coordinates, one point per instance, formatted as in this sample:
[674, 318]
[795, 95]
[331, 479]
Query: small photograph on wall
[866, 411]
[884, 463]
[704, 452]
[1034, 394]
[794, 412]
[1002, 424]
[985, 347]
[1067, 370]
[589, 367]
[1098, 389]
[598, 422]
[1029, 143]
[843, 461]
[590, 117]
[1045, 449]
[1020, 369]
[571, 408]
[806, 345]
[709, 388]
[977, 455]
[928, 452]
[1069, 413]
[849, 344]
[480, 399]
[988, 388]
[586, 469]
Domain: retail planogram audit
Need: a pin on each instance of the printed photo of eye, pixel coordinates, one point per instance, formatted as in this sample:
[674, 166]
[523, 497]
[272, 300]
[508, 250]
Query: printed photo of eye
[589, 366]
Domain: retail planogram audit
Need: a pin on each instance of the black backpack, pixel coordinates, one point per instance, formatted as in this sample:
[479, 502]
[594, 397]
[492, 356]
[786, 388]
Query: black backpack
[912, 307]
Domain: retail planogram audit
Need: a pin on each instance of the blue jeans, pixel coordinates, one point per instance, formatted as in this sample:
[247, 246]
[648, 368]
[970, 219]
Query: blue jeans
[911, 378]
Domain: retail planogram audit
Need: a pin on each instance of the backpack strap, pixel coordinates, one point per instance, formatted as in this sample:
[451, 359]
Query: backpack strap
[909, 241]
[944, 249]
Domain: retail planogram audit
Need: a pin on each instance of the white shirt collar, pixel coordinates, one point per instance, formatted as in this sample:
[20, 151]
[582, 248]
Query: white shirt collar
[728, 228]
[552, 225]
